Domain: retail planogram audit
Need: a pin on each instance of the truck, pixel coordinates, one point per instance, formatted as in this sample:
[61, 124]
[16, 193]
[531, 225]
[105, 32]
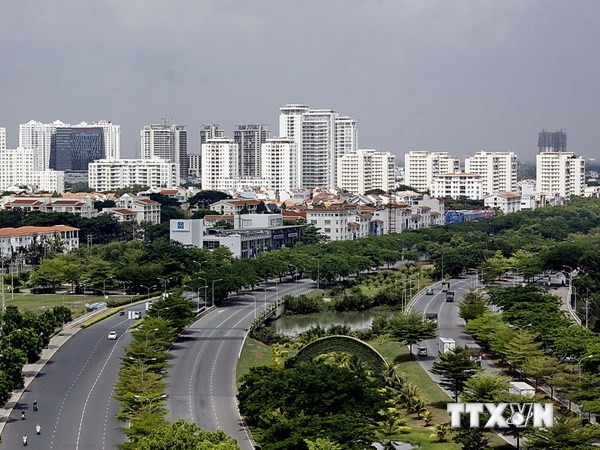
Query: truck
[449, 296]
[446, 344]
[521, 388]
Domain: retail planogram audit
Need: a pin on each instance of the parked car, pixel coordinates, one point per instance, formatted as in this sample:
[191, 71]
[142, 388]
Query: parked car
[112, 335]
[422, 351]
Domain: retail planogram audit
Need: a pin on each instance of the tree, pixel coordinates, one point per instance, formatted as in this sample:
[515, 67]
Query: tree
[261, 208]
[485, 388]
[521, 348]
[322, 444]
[471, 439]
[567, 433]
[411, 327]
[442, 432]
[472, 306]
[283, 405]
[539, 367]
[183, 435]
[455, 368]
[311, 236]
[174, 308]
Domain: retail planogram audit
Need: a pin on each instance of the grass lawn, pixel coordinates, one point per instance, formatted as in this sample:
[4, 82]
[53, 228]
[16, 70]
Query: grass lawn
[43, 302]
[256, 353]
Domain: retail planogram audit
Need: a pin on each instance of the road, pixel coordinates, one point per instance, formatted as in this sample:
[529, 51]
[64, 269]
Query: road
[449, 323]
[74, 391]
[201, 379]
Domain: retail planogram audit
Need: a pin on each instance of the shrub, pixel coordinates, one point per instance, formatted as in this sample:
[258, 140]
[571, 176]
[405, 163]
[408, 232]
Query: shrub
[302, 304]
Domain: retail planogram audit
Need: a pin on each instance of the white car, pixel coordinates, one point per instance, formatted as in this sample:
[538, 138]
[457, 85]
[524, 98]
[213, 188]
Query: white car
[112, 335]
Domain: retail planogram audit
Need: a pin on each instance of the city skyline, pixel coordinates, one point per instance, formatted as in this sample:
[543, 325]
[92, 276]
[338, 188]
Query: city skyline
[459, 77]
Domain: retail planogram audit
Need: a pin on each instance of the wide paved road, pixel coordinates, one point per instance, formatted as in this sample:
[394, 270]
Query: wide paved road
[201, 378]
[73, 392]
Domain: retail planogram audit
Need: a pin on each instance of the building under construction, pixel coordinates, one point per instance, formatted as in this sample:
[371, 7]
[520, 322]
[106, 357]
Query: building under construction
[552, 141]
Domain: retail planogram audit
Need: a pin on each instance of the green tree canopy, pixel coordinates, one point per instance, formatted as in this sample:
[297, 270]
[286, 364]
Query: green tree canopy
[183, 435]
[411, 328]
[455, 368]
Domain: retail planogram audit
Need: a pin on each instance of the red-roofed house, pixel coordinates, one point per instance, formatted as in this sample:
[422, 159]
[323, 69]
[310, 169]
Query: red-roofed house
[13, 239]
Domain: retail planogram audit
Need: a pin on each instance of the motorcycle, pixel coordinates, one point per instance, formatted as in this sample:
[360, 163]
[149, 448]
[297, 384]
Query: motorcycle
[23, 415]
[38, 429]
[24, 440]
[35, 407]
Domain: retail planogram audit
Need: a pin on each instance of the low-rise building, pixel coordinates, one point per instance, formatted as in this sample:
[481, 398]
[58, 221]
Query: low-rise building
[59, 237]
[252, 233]
[507, 202]
[135, 208]
[83, 207]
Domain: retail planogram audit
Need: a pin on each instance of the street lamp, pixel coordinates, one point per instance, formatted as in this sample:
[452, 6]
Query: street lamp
[255, 304]
[142, 362]
[213, 290]
[150, 400]
[148, 288]
[205, 289]
[200, 264]
[581, 359]
[265, 289]
[158, 310]
[104, 286]
[318, 271]
[295, 272]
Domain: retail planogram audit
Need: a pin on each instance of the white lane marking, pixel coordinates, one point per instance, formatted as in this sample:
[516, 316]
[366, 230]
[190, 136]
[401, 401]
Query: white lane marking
[69, 391]
[90, 393]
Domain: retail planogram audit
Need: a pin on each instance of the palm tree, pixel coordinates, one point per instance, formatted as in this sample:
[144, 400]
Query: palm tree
[442, 432]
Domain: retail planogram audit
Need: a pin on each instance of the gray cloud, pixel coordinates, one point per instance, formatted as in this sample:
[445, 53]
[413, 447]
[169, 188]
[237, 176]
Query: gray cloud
[457, 76]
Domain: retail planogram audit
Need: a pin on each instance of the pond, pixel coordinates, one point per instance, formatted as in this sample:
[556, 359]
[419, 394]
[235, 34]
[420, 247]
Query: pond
[294, 325]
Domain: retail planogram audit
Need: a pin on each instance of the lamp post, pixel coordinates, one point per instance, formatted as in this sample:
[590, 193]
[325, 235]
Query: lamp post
[142, 362]
[150, 400]
[318, 271]
[255, 304]
[200, 264]
[213, 290]
[277, 294]
[104, 286]
[265, 289]
[148, 288]
[205, 289]
[295, 273]
[158, 310]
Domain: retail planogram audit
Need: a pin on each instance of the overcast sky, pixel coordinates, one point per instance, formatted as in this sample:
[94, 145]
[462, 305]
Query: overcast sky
[458, 76]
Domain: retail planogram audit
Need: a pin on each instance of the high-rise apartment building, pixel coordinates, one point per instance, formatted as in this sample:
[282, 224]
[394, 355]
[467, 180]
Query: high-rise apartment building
[560, 173]
[168, 142]
[72, 149]
[552, 141]
[278, 163]
[219, 163]
[38, 136]
[111, 174]
[249, 139]
[498, 171]
[366, 169]
[194, 166]
[318, 149]
[212, 131]
[2, 138]
[322, 136]
[17, 167]
[290, 126]
[421, 166]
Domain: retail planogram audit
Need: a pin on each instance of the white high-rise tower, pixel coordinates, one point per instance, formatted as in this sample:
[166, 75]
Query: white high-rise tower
[168, 142]
[498, 171]
[38, 136]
